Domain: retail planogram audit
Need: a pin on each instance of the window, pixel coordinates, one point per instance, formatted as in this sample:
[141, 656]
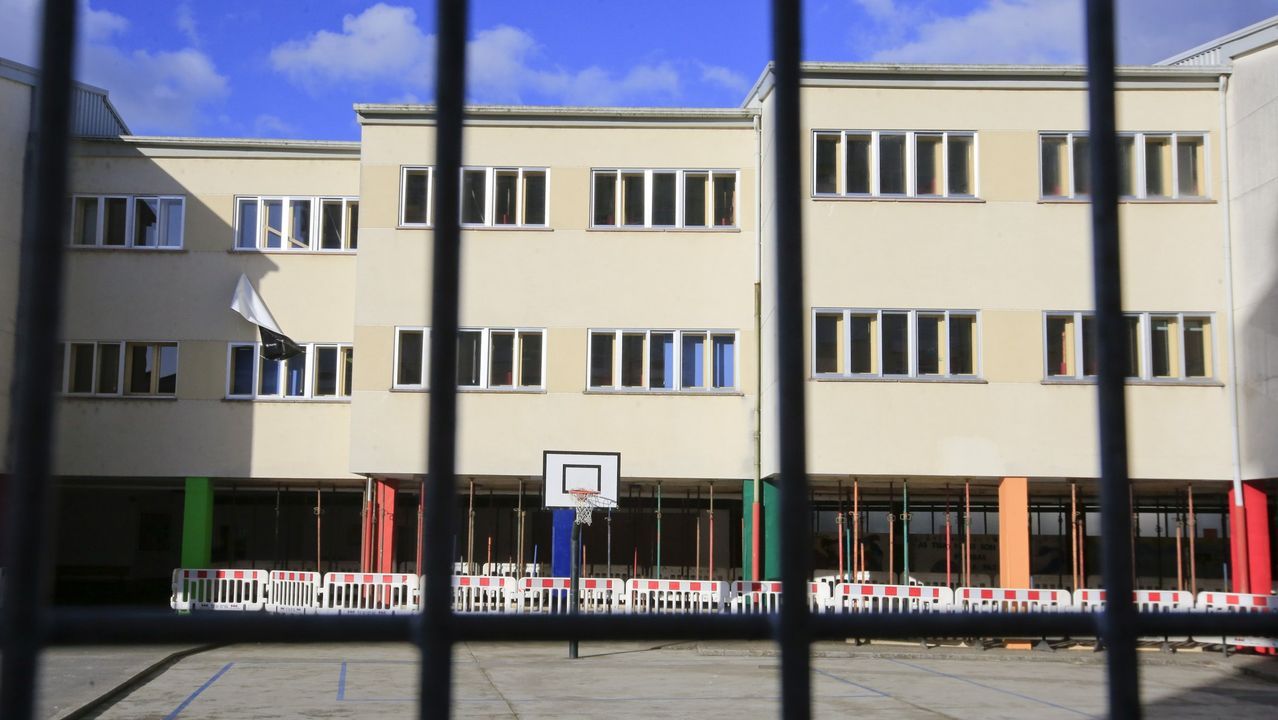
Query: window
[879, 163]
[152, 222]
[322, 370]
[317, 224]
[115, 368]
[415, 196]
[1153, 166]
[1159, 346]
[487, 358]
[662, 360]
[659, 199]
[852, 343]
[504, 197]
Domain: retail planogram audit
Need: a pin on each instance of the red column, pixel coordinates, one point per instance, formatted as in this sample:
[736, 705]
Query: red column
[385, 526]
[1256, 567]
[367, 517]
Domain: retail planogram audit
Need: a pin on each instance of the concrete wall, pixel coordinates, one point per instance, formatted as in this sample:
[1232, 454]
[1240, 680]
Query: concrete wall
[567, 279]
[1253, 192]
[15, 114]
[185, 295]
[1010, 256]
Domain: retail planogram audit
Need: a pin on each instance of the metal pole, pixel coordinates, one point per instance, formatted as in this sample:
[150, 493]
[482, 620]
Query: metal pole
[319, 513]
[793, 626]
[435, 638]
[609, 542]
[658, 531]
[905, 531]
[31, 414]
[891, 520]
[519, 512]
[470, 530]
[1193, 532]
[1073, 534]
[711, 575]
[967, 532]
[574, 578]
[947, 539]
[1119, 619]
[857, 566]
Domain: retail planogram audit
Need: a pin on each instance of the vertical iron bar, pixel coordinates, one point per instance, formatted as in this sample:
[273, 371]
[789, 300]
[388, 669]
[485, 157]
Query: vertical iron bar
[435, 697]
[1118, 623]
[32, 405]
[795, 546]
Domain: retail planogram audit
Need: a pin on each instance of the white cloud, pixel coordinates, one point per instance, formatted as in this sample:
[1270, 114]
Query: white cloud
[383, 44]
[725, 78]
[1001, 31]
[185, 21]
[272, 126]
[164, 91]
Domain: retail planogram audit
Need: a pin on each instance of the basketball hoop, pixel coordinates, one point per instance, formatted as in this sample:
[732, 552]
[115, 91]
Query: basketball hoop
[585, 500]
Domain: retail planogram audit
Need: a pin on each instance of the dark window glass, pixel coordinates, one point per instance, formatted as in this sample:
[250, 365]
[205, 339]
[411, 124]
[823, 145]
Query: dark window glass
[468, 358]
[530, 359]
[140, 368]
[1090, 361]
[694, 200]
[474, 199]
[632, 360]
[663, 198]
[109, 368]
[167, 383]
[962, 357]
[827, 162]
[1133, 346]
[892, 164]
[896, 344]
[114, 227]
[1058, 328]
[1082, 167]
[601, 359]
[661, 361]
[929, 345]
[534, 198]
[325, 371]
[858, 165]
[247, 237]
[331, 225]
[268, 378]
[605, 199]
[242, 359]
[725, 200]
[827, 343]
[146, 222]
[501, 359]
[1196, 347]
[632, 199]
[416, 188]
[863, 340]
[411, 347]
[1161, 349]
[295, 376]
[81, 368]
[959, 159]
[505, 187]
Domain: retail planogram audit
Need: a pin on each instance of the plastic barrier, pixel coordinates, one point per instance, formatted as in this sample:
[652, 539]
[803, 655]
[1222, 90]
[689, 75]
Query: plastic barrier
[969, 599]
[509, 570]
[663, 596]
[550, 595]
[370, 594]
[1093, 600]
[869, 597]
[764, 596]
[1239, 602]
[293, 593]
[483, 593]
[218, 589]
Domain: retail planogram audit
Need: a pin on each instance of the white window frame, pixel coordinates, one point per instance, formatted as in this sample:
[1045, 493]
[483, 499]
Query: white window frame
[308, 391]
[490, 197]
[707, 367]
[318, 223]
[129, 229]
[485, 357]
[1138, 159]
[911, 140]
[286, 221]
[64, 382]
[845, 344]
[424, 383]
[680, 190]
[1145, 347]
[430, 195]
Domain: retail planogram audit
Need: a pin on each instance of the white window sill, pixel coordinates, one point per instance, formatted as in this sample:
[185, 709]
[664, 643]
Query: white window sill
[509, 228]
[954, 379]
[1157, 382]
[278, 251]
[105, 396]
[325, 400]
[471, 389]
[899, 198]
[725, 392]
[1128, 201]
[642, 229]
[127, 248]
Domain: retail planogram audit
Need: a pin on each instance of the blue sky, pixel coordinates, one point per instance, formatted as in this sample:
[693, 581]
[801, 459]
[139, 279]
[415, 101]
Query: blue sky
[243, 68]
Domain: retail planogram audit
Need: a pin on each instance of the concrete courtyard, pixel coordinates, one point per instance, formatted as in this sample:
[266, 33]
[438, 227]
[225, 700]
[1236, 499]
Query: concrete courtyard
[702, 680]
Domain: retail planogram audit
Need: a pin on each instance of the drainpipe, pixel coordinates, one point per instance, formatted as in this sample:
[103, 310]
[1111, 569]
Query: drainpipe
[1239, 525]
[756, 508]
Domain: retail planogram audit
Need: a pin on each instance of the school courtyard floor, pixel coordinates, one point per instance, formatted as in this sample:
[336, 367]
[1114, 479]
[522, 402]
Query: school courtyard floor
[633, 680]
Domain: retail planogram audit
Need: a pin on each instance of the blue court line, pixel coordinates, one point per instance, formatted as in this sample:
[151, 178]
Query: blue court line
[990, 687]
[845, 681]
[191, 698]
[341, 683]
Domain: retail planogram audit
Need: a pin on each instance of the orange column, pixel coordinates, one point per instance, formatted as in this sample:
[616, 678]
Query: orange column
[1013, 533]
[385, 552]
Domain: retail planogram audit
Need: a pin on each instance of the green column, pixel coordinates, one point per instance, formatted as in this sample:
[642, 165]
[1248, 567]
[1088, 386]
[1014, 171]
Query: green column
[197, 523]
[771, 540]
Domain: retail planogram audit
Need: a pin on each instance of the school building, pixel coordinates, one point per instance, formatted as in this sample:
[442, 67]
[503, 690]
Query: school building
[617, 295]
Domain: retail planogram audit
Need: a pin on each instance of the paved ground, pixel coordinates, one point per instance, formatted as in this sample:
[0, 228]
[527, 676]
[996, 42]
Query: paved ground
[73, 677]
[729, 680]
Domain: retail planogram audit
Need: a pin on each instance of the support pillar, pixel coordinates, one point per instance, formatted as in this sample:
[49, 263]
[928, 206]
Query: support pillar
[385, 552]
[1013, 533]
[1256, 565]
[197, 523]
[769, 543]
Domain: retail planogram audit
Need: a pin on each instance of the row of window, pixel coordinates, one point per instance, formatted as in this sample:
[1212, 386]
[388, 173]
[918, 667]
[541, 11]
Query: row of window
[117, 368]
[488, 358]
[320, 371]
[1159, 346]
[942, 164]
[620, 198]
[297, 223]
[127, 221]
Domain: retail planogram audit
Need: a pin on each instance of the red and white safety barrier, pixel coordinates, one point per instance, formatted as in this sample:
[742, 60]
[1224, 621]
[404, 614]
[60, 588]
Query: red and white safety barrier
[969, 599]
[665, 596]
[870, 597]
[550, 595]
[764, 596]
[291, 592]
[1093, 600]
[1240, 603]
[370, 594]
[195, 589]
[483, 593]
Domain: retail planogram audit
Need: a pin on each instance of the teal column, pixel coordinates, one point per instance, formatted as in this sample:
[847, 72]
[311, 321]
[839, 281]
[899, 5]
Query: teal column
[747, 530]
[197, 523]
[771, 531]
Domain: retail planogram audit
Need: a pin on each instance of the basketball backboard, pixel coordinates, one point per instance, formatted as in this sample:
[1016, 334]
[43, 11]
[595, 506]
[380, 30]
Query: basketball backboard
[566, 470]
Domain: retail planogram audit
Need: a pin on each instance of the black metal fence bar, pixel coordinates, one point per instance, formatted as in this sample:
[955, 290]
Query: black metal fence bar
[1118, 626]
[114, 627]
[435, 632]
[792, 630]
[31, 415]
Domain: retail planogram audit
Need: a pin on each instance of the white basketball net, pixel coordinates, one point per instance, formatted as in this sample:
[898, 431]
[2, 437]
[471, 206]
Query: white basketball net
[586, 501]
